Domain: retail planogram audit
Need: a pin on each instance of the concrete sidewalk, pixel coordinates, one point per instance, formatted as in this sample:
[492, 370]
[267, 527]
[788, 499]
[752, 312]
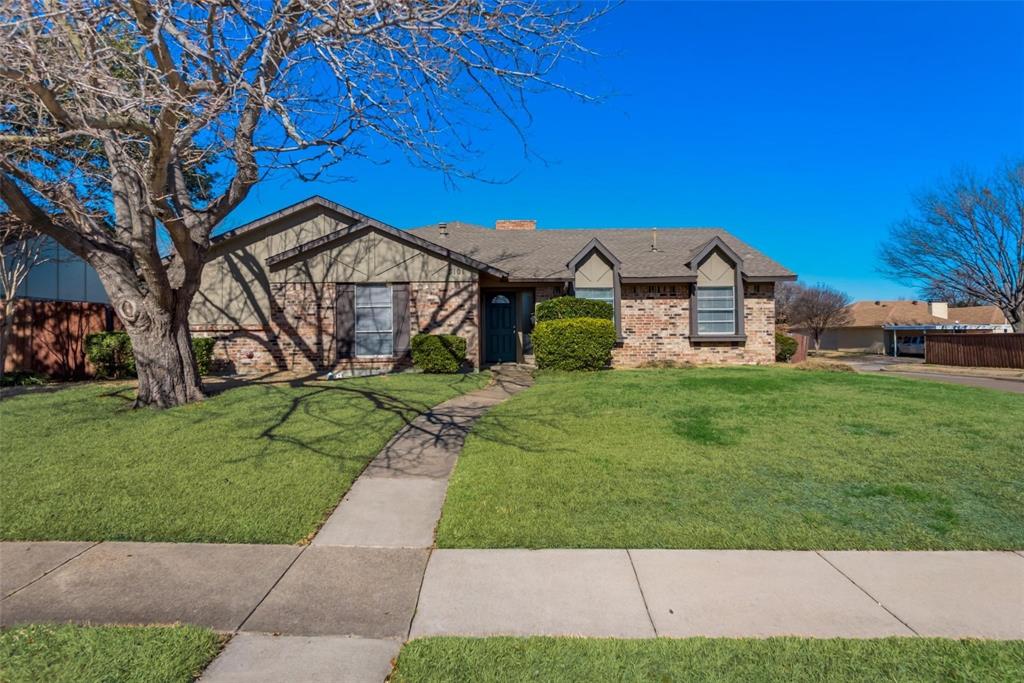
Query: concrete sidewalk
[376, 593]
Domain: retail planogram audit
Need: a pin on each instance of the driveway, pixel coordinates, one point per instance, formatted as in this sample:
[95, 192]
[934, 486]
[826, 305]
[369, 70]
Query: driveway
[885, 363]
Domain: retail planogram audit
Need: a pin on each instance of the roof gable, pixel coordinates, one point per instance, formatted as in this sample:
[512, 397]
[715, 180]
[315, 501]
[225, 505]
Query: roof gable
[357, 224]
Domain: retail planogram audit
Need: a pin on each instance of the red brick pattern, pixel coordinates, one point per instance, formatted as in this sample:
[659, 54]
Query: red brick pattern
[299, 336]
[515, 224]
[656, 328]
[448, 308]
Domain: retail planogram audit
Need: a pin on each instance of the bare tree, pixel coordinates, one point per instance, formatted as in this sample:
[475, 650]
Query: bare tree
[22, 250]
[818, 308]
[110, 107]
[785, 297]
[965, 241]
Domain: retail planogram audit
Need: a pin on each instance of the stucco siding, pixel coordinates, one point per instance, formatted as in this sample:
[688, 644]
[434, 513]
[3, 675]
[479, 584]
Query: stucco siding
[595, 271]
[715, 271]
[237, 283]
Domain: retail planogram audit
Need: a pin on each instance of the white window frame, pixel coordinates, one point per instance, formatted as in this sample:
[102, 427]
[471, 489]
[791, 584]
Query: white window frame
[610, 298]
[391, 317]
[731, 310]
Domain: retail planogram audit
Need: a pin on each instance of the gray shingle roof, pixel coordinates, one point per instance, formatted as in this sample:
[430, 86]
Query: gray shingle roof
[543, 254]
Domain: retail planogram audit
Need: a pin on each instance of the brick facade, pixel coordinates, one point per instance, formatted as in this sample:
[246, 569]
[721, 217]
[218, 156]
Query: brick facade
[656, 328]
[448, 308]
[655, 324]
[299, 336]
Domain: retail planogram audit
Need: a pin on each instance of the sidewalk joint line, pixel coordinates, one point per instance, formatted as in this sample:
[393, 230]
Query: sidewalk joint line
[419, 592]
[862, 590]
[48, 572]
[642, 596]
[269, 591]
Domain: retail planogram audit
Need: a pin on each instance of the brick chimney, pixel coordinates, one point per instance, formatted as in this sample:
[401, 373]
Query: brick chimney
[515, 224]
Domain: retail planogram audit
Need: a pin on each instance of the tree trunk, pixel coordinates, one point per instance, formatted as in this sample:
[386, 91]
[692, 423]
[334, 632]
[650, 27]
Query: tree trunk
[1018, 321]
[164, 360]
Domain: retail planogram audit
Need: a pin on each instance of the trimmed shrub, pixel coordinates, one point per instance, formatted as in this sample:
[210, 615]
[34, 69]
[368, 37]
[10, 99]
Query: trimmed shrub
[438, 353]
[785, 347]
[202, 347]
[574, 344]
[111, 354]
[564, 307]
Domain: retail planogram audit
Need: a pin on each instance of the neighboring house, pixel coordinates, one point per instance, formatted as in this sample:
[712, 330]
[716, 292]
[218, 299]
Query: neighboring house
[319, 287]
[890, 326]
[60, 301]
[62, 276]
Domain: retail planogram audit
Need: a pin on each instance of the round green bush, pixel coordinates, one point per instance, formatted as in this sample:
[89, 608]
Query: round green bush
[438, 353]
[112, 356]
[563, 307]
[574, 343]
[785, 347]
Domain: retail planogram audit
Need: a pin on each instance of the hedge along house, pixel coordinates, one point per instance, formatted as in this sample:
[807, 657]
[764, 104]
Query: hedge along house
[318, 287]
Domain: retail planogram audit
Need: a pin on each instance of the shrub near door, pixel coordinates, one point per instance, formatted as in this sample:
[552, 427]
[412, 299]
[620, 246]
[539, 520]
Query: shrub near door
[565, 307]
[574, 343]
[438, 353]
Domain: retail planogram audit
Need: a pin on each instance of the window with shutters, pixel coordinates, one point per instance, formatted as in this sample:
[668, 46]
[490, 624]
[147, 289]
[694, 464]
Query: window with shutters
[374, 321]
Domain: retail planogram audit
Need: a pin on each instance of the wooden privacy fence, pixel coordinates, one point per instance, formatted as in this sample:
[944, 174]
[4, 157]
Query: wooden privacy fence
[49, 336]
[977, 350]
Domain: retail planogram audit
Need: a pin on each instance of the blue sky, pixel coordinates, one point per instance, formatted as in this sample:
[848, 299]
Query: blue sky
[801, 128]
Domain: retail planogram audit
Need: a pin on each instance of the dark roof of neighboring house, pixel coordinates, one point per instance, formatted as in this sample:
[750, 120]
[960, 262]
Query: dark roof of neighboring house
[879, 313]
[544, 254]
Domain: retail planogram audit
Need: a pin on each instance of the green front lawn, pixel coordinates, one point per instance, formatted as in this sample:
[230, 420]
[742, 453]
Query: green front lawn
[78, 654]
[770, 458]
[257, 464]
[703, 659]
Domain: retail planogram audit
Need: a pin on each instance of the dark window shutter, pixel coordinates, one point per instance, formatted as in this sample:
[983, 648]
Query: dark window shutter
[400, 310]
[345, 321]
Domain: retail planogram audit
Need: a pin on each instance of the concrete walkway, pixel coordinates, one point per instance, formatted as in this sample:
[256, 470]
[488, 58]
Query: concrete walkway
[396, 502]
[340, 608]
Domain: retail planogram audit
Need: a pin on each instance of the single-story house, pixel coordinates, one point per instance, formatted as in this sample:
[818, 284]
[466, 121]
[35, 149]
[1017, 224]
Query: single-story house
[318, 286]
[884, 326]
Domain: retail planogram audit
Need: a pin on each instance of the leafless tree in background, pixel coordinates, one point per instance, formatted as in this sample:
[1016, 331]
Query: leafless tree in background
[817, 309]
[965, 242]
[785, 297]
[22, 250]
[128, 122]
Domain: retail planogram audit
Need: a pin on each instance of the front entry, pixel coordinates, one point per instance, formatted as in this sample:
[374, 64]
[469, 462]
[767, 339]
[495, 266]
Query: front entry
[500, 327]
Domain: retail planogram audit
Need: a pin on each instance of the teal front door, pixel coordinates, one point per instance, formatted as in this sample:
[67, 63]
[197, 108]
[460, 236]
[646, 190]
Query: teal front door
[500, 327]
